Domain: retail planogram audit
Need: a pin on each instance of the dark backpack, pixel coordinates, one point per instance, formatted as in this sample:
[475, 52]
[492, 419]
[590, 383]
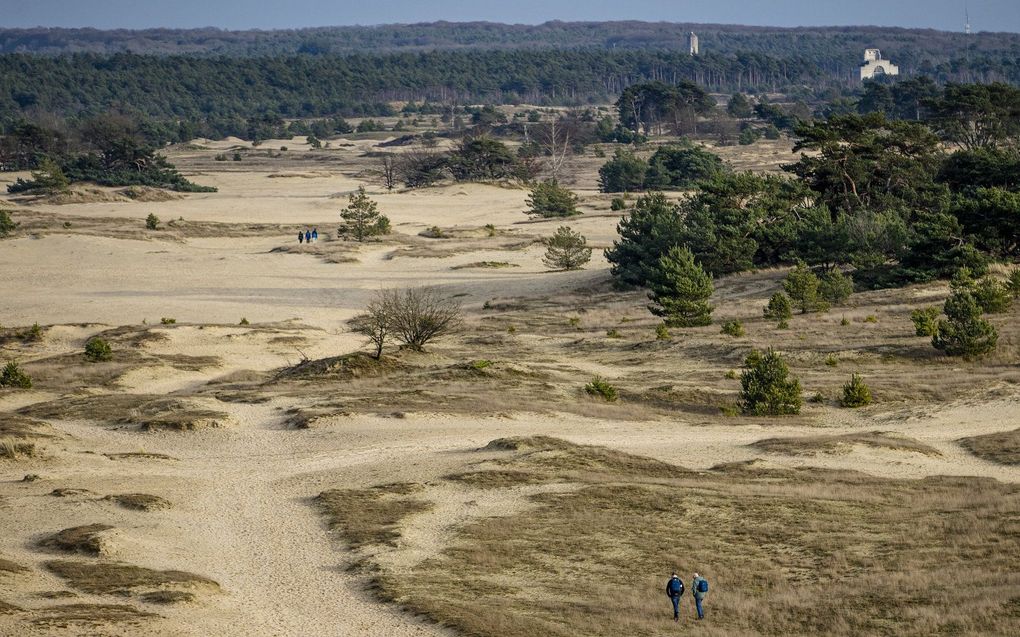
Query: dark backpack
[703, 586]
[676, 587]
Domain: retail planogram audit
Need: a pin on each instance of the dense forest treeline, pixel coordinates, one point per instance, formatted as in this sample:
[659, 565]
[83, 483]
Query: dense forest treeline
[216, 89]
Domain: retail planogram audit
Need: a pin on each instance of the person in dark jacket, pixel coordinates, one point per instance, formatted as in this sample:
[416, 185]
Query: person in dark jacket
[315, 234]
[308, 236]
[699, 590]
[300, 237]
[674, 589]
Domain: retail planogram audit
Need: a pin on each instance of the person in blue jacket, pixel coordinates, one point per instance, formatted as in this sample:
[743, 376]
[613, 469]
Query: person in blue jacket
[674, 590]
[308, 236]
[315, 234]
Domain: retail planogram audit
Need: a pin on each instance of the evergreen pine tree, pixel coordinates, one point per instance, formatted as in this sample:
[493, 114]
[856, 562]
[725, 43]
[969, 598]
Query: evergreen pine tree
[362, 218]
[766, 388]
[567, 250]
[680, 289]
[964, 332]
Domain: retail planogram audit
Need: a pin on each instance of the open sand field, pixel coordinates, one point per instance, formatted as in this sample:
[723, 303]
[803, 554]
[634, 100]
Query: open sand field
[266, 482]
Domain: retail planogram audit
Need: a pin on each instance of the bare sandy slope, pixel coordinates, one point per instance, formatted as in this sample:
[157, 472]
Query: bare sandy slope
[242, 513]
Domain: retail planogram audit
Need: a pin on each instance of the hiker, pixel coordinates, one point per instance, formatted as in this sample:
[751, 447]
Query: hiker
[300, 237]
[674, 589]
[699, 586]
[308, 236]
[315, 234]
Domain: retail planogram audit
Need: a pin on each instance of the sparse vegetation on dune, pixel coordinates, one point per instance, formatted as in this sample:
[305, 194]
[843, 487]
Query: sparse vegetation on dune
[626, 522]
[1002, 447]
[370, 516]
[106, 578]
[842, 443]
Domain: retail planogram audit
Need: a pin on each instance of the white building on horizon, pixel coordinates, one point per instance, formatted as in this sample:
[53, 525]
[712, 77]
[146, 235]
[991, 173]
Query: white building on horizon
[875, 66]
[692, 44]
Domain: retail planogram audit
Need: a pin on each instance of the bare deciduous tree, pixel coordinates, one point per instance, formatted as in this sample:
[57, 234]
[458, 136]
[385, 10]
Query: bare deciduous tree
[389, 172]
[374, 324]
[419, 315]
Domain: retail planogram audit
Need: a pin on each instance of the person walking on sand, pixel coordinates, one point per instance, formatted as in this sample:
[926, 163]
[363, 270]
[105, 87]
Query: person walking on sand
[674, 590]
[300, 237]
[308, 236]
[699, 586]
[315, 234]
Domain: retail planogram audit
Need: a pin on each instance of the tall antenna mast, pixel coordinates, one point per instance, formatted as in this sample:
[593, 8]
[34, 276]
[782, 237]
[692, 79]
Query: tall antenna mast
[966, 13]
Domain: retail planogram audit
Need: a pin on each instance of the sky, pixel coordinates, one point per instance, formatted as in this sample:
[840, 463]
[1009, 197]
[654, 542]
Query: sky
[985, 15]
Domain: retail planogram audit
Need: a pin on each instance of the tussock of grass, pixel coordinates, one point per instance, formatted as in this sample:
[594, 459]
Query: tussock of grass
[168, 597]
[485, 264]
[138, 455]
[356, 365]
[88, 614]
[811, 445]
[88, 539]
[9, 567]
[147, 412]
[1002, 447]
[8, 609]
[124, 579]
[14, 449]
[369, 516]
[140, 501]
[788, 552]
[18, 426]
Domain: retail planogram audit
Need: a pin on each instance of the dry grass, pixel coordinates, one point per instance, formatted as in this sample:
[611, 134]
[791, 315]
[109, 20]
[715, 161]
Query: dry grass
[836, 444]
[1002, 447]
[88, 615]
[11, 568]
[17, 426]
[104, 578]
[787, 551]
[8, 609]
[90, 539]
[138, 455]
[14, 449]
[369, 516]
[147, 412]
[168, 597]
[140, 501]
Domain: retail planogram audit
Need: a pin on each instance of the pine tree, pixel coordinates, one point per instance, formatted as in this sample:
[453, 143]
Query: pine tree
[766, 388]
[802, 286]
[680, 290]
[567, 250]
[49, 177]
[964, 332]
[549, 199]
[362, 218]
[779, 308]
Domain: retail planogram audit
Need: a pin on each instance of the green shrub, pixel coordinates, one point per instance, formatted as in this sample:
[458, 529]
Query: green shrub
[236, 156]
[152, 222]
[481, 364]
[855, 392]
[832, 360]
[766, 388]
[361, 217]
[733, 328]
[871, 318]
[35, 333]
[661, 332]
[802, 286]
[1013, 282]
[835, 287]
[964, 332]
[490, 229]
[614, 333]
[601, 387]
[511, 329]
[96, 349]
[819, 397]
[925, 320]
[574, 321]
[13, 376]
[844, 321]
[548, 199]
[783, 324]
[731, 375]
[779, 308]
[167, 320]
[618, 203]
[7, 224]
[992, 296]
[623, 173]
[244, 321]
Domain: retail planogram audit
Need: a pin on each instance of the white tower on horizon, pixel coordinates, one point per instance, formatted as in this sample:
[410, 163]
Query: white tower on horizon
[693, 47]
[966, 14]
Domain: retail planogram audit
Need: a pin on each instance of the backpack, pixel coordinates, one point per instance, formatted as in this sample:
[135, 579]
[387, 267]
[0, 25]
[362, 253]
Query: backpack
[676, 587]
[703, 586]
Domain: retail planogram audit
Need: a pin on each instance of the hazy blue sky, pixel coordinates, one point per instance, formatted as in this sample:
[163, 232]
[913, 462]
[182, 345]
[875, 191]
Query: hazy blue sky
[987, 15]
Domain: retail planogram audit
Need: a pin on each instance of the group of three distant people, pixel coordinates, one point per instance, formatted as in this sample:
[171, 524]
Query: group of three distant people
[675, 590]
[308, 236]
